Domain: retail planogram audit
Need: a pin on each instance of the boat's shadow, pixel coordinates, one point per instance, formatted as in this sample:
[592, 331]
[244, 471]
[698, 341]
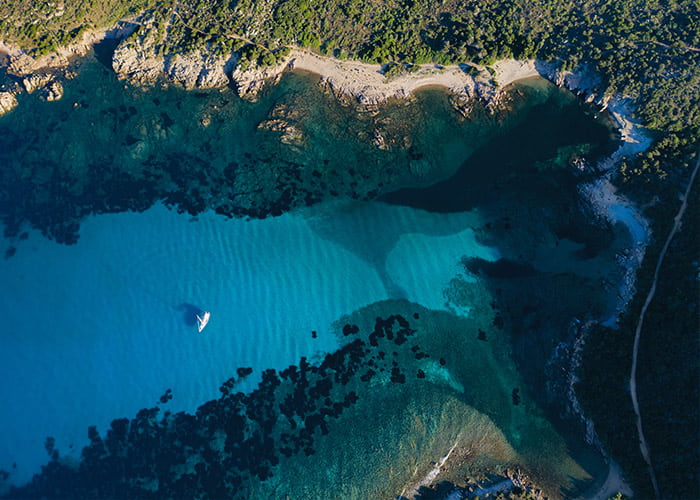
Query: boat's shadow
[189, 313]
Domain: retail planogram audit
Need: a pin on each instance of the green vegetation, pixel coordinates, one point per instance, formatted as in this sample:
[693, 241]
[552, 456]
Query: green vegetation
[392, 70]
[604, 393]
[647, 50]
[669, 374]
[46, 25]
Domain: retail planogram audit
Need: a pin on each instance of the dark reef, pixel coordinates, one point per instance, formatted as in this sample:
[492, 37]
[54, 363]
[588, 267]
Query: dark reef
[228, 442]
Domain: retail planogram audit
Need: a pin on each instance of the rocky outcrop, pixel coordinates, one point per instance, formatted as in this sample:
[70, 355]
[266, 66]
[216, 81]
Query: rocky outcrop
[586, 83]
[21, 64]
[138, 62]
[199, 69]
[249, 82]
[135, 63]
[138, 59]
[36, 81]
[7, 102]
[53, 91]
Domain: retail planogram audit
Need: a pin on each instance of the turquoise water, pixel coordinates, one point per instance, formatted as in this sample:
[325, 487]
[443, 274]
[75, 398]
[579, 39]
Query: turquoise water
[488, 270]
[102, 328]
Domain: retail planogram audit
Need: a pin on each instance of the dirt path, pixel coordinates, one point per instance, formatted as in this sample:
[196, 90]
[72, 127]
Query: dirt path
[688, 47]
[638, 333]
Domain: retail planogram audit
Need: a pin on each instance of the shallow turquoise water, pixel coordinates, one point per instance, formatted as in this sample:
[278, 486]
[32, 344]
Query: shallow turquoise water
[101, 328]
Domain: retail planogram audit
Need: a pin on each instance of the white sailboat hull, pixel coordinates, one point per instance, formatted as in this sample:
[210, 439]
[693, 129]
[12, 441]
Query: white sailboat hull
[202, 320]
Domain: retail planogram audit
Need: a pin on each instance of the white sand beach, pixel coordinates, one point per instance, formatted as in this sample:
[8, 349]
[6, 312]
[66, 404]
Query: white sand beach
[367, 83]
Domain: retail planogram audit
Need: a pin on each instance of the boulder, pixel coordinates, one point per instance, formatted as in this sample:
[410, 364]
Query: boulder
[134, 62]
[53, 91]
[198, 69]
[7, 102]
[36, 81]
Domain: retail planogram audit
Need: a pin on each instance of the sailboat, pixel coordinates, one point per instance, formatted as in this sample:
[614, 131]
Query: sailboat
[202, 320]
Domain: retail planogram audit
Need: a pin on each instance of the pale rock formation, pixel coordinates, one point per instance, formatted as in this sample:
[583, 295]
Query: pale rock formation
[7, 102]
[51, 88]
[21, 64]
[53, 91]
[137, 62]
[36, 81]
[199, 69]
[250, 81]
[138, 59]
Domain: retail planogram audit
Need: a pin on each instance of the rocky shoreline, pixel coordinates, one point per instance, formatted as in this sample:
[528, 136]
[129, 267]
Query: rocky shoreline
[46, 73]
[136, 59]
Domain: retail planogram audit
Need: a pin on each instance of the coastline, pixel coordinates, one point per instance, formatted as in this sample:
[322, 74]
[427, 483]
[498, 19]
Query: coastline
[367, 84]
[609, 205]
[135, 60]
[46, 72]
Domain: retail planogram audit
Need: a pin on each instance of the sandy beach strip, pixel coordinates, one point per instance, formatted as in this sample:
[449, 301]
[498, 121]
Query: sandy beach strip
[367, 83]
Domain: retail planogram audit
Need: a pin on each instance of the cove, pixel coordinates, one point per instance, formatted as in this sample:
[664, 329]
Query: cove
[110, 147]
[443, 308]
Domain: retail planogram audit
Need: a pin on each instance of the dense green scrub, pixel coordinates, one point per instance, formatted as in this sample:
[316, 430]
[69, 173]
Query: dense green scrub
[669, 353]
[641, 48]
[668, 374]
[45, 26]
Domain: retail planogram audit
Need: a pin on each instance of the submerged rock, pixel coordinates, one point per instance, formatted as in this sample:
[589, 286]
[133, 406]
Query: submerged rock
[290, 133]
